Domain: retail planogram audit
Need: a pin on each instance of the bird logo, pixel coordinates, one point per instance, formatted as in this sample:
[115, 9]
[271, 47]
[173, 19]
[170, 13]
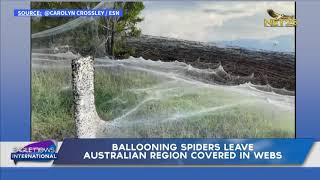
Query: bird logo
[278, 16]
[279, 20]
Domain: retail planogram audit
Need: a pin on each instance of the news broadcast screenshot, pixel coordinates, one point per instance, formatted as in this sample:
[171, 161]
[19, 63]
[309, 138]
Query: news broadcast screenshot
[159, 89]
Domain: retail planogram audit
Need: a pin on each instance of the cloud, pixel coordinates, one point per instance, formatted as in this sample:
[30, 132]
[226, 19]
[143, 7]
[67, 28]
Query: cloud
[223, 12]
[211, 21]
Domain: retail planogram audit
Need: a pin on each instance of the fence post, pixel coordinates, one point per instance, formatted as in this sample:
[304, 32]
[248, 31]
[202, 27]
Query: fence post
[85, 114]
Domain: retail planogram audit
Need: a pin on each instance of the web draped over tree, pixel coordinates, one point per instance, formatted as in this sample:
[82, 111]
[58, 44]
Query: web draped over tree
[90, 35]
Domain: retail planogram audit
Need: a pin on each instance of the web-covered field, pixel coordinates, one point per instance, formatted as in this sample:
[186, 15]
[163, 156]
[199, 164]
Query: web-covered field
[144, 98]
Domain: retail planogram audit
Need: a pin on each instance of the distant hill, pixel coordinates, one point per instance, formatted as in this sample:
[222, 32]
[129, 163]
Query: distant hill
[283, 43]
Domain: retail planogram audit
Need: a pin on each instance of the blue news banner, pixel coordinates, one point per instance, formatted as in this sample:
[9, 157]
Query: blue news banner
[159, 151]
[67, 12]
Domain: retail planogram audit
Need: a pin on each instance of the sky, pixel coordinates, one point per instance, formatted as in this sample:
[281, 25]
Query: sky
[210, 21]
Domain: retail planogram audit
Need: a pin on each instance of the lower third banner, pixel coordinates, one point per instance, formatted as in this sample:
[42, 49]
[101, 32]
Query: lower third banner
[183, 151]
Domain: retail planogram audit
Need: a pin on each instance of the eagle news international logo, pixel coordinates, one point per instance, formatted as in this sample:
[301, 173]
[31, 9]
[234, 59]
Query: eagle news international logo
[40, 151]
[279, 20]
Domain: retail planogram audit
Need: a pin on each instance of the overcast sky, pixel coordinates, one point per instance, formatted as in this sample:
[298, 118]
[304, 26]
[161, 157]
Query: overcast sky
[213, 21]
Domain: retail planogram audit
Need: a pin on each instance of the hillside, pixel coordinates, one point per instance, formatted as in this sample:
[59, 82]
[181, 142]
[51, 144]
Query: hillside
[273, 68]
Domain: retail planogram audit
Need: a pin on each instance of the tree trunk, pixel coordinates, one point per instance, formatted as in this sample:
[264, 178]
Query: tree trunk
[113, 32]
[106, 34]
[112, 38]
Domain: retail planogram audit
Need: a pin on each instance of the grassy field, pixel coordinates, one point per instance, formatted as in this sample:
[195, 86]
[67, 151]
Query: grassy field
[143, 105]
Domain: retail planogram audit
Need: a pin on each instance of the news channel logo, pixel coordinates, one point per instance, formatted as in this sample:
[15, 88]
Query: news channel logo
[279, 20]
[41, 151]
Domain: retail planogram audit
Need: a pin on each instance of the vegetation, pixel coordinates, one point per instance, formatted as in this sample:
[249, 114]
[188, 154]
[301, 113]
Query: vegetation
[118, 91]
[140, 104]
[110, 31]
[118, 29]
[52, 116]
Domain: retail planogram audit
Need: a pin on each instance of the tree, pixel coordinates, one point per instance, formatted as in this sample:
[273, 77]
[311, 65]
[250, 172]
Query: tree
[81, 39]
[44, 23]
[86, 39]
[118, 29]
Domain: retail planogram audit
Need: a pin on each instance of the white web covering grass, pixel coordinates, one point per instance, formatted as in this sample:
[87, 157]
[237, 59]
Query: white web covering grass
[144, 98]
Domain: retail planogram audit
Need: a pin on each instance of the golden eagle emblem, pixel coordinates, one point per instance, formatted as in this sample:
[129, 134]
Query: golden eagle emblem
[277, 16]
[279, 20]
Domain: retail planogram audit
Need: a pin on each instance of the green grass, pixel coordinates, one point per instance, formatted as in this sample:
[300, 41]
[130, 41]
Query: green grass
[51, 105]
[165, 101]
